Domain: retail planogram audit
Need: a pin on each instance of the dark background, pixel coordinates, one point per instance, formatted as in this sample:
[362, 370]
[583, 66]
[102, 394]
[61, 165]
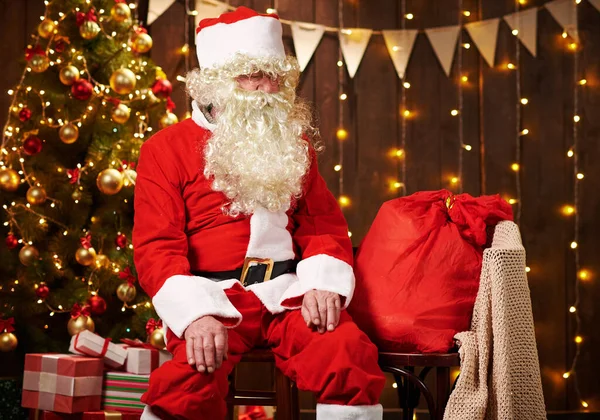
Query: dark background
[372, 117]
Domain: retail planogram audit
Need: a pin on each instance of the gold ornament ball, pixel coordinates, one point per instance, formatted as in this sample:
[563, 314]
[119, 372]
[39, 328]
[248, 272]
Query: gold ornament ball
[39, 63]
[68, 133]
[85, 257]
[102, 261]
[157, 338]
[28, 255]
[168, 119]
[81, 323]
[110, 181]
[36, 196]
[9, 180]
[126, 292]
[46, 28]
[122, 81]
[8, 342]
[142, 43]
[120, 12]
[89, 30]
[77, 195]
[68, 75]
[121, 113]
[129, 177]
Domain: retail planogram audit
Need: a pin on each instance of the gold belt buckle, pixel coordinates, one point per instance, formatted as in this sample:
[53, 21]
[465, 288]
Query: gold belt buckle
[251, 261]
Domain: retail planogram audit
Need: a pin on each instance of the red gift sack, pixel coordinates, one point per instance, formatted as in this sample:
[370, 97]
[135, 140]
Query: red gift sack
[417, 270]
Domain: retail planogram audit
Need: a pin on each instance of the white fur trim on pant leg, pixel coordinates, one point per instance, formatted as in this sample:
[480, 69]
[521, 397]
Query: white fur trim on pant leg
[148, 414]
[269, 237]
[349, 412]
[183, 299]
[321, 272]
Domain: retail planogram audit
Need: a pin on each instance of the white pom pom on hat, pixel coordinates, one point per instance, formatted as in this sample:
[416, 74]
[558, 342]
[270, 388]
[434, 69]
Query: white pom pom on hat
[242, 31]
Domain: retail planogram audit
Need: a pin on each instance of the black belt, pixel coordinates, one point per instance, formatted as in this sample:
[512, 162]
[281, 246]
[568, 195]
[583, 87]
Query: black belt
[255, 270]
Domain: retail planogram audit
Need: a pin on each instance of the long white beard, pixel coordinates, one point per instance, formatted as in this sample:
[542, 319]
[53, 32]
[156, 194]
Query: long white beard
[256, 155]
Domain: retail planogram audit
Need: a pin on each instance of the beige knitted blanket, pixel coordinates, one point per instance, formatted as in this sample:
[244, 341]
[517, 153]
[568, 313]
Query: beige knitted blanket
[500, 374]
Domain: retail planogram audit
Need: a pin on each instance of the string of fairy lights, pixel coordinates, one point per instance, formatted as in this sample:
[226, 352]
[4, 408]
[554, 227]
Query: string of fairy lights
[516, 166]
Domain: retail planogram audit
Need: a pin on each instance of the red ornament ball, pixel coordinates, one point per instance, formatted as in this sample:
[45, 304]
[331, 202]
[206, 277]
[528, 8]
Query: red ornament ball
[32, 145]
[25, 114]
[60, 46]
[97, 305]
[162, 88]
[42, 291]
[12, 241]
[121, 240]
[82, 90]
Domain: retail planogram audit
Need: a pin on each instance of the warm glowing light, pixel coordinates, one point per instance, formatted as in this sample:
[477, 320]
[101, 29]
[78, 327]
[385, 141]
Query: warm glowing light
[576, 118]
[511, 66]
[467, 13]
[584, 404]
[584, 274]
[570, 153]
[397, 185]
[525, 132]
[512, 201]
[515, 167]
[582, 82]
[515, 32]
[406, 85]
[573, 46]
[454, 180]
[270, 11]
[185, 50]
[527, 269]
[568, 210]
[468, 147]
[580, 176]
[395, 48]
[337, 168]
[522, 1]
[466, 45]
[454, 112]
[343, 96]
[573, 245]
[566, 375]
[341, 134]
[344, 201]
[349, 234]
[406, 113]
[340, 63]
[579, 339]
[410, 16]
[394, 385]
[564, 34]
[398, 153]
[572, 309]
[524, 101]
[464, 79]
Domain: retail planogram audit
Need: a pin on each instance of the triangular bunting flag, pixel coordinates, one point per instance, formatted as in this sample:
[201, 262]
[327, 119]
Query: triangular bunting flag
[485, 34]
[443, 40]
[157, 8]
[525, 23]
[354, 44]
[596, 4]
[400, 45]
[306, 37]
[209, 9]
[565, 13]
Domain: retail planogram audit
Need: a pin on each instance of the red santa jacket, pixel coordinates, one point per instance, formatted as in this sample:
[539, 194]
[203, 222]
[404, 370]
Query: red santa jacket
[179, 228]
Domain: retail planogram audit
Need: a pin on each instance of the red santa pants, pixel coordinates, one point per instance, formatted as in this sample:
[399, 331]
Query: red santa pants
[340, 367]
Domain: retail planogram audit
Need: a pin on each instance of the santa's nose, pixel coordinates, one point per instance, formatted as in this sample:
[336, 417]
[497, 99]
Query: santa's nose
[268, 85]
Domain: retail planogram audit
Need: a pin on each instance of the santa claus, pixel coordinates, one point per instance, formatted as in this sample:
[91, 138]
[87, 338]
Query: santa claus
[238, 240]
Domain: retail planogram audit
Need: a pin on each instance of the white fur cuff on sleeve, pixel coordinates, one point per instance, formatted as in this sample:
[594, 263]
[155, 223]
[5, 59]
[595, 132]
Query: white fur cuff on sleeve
[320, 272]
[183, 299]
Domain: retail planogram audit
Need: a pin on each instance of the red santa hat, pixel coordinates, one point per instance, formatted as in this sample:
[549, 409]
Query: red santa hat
[242, 31]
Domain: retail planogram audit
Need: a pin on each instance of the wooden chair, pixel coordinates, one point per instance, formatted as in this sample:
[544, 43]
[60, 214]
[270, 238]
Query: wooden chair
[411, 386]
[284, 397]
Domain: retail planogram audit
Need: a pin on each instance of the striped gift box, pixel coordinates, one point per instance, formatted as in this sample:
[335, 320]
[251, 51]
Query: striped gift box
[123, 391]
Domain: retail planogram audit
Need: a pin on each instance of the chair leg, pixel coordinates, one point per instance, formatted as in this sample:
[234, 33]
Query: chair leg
[295, 407]
[443, 390]
[283, 390]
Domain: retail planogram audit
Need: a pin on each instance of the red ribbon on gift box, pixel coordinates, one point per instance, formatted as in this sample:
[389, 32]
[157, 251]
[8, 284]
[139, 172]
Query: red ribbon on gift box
[102, 352]
[137, 343]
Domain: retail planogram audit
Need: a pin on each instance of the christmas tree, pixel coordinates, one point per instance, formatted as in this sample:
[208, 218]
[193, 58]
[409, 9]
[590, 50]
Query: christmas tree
[87, 100]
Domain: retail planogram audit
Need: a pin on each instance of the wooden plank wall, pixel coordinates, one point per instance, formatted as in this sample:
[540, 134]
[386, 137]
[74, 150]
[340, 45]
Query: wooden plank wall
[372, 117]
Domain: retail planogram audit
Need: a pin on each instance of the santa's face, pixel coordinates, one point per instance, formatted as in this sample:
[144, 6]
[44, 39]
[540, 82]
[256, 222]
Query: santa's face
[256, 155]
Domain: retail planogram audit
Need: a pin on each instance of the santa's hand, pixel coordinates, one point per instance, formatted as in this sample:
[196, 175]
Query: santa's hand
[321, 309]
[206, 344]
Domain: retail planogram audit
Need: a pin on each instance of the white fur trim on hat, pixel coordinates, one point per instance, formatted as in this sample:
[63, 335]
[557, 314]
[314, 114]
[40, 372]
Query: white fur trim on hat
[256, 37]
